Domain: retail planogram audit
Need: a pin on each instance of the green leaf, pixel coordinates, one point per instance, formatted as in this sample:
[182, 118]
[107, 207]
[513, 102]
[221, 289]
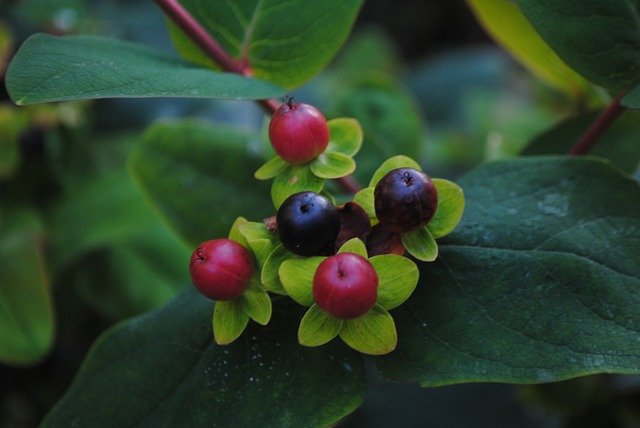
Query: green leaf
[450, 208]
[600, 40]
[618, 143]
[345, 136]
[538, 283]
[399, 161]
[318, 327]
[373, 333]
[397, 278]
[257, 304]
[389, 115]
[229, 321]
[26, 313]
[269, 277]
[504, 21]
[332, 165]
[421, 244]
[163, 369]
[274, 166]
[366, 200]
[298, 178]
[48, 68]
[283, 42]
[236, 235]
[355, 246]
[297, 278]
[12, 122]
[199, 177]
[261, 241]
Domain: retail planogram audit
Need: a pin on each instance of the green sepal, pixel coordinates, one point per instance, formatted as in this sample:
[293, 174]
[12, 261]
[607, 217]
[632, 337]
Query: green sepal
[296, 178]
[269, 275]
[365, 198]
[256, 303]
[397, 279]
[355, 246]
[449, 210]
[261, 241]
[399, 161]
[373, 333]
[331, 165]
[345, 136]
[229, 321]
[296, 276]
[318, 327]
[236, 235]
[271, 168]
[420, 244]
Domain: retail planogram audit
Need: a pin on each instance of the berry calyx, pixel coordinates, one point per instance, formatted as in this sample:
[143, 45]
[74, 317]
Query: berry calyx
[298, 132]
[308, 224]
[405, 199]
[221, 269]
[345, 285]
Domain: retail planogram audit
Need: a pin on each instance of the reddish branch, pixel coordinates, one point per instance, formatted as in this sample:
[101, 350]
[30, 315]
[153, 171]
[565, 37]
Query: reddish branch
[598, 127]
[210, 46]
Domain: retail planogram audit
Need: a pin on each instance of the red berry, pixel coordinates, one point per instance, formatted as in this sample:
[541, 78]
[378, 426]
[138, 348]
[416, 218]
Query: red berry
[345, 285]
[221, 269]
[405, 199]
[298, 132]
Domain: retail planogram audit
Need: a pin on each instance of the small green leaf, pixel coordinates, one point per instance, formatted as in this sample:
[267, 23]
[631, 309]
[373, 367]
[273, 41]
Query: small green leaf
[318, 327]
[373, 333]
[450, 208]
[269, 276]
[345, 136]
[271, 168]
[420, 244]
[236, 235]
[399, 161]
[229, 321]
[297, 278]
[332, 165]
[355, 246]
[366, 200]
[261, 241]
[297, 178]
[256, 303]
[50, 68]
[397, 278]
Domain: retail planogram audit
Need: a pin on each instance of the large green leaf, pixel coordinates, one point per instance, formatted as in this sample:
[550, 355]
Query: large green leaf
[540, 282]
[50, 68]
[26, 314]
[286, 42]
[598, 39]
[619, 143]
[505, 22]
[200, 177]
[164, 369]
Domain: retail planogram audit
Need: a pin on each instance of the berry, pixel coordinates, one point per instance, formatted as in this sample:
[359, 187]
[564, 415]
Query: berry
[298, 132]
[345, 285]
[221, 269]
[405, 199]
[308, 224]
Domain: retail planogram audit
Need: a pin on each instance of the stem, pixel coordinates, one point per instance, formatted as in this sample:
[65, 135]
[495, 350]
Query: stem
[598, 127]
[210, 46]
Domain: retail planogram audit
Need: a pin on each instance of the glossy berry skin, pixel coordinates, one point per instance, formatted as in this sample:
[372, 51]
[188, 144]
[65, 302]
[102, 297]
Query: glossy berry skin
[308, 224]
[405, 199]
[345, 285]
[221, 269]
[298, 132]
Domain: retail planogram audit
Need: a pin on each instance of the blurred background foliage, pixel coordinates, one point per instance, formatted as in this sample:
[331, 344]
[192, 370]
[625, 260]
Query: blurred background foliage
[81, 248]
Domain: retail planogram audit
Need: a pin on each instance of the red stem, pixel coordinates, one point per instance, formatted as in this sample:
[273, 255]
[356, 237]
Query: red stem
[598, 127]
[199, 35]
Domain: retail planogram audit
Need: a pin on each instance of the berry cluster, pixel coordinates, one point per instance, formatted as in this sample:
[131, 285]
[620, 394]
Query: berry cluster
[344, 262]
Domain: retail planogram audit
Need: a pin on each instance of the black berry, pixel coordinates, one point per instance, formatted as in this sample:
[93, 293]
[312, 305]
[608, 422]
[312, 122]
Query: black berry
[308, 224]
[405, 199]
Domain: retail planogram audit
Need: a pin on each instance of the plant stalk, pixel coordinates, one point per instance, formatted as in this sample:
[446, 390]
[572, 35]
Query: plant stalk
[599, 126]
